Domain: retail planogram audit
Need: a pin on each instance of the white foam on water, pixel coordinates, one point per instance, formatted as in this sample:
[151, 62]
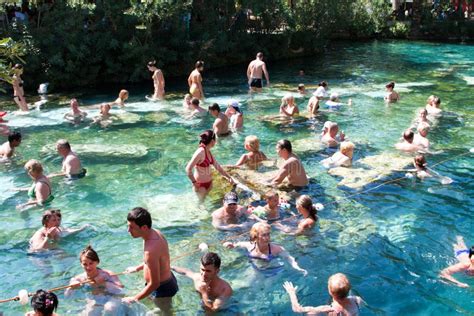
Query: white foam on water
[37, 118]
[469, 80]
[104, 150]
[147, 106]
[413, 84]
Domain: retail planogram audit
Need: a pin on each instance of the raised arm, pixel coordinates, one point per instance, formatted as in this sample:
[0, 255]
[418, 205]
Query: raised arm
[186, 272]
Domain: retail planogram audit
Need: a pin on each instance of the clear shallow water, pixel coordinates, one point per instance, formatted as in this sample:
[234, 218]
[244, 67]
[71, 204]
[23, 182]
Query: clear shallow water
[391, 242]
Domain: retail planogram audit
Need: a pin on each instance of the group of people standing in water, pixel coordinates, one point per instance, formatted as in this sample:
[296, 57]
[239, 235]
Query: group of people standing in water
[160, 282]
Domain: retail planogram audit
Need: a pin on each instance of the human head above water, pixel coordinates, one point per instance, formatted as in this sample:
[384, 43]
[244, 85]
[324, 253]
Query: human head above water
[284, 144]
[257, 229]
[123, 94]
[34, 166]
[140, 216]
[323, 84]
[199, 65]
[48, 215]
[305, 202]
[347, 148]
[252, 143]
[390, 85]
[89, 253]
[44, 302]
[420, 162]
[408, 135]
[14, 138]
[63, 144]
[214, 107]
[260, 55]
[207, 137]
[211, 258]
[339, 286]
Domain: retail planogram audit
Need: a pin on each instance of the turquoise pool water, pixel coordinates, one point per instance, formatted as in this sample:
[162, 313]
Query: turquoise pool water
[391, 241]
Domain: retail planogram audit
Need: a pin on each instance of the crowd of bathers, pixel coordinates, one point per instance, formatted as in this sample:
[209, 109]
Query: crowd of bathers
[257, 220]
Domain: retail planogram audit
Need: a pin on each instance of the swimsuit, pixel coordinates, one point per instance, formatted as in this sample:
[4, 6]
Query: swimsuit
[79, 175]
[458, 252]
[32, 193]
[256, 83]
[268, 257]
[352, 311]
[167, 288]
[194, 89]
[205, 164]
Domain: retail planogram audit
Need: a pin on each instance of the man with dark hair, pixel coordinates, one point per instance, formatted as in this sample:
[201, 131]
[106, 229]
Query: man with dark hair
[160, 284]
[255, 71]
[221, 124]
[214, 291]
[71, 167]
[231, 215]
[407, 143]
[8, 148]
[292, 169]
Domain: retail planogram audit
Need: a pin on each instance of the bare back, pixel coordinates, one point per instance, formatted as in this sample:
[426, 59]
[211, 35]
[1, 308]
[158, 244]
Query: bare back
[256, 69]
[157, 247]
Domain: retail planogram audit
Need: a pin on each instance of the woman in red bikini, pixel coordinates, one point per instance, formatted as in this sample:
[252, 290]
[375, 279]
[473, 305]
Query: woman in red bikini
[201, 162]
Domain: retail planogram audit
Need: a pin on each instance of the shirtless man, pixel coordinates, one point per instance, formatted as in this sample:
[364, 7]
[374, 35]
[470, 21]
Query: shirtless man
[420, 138]
[227, 217]
[330, 138]
[254, 73]
[8, 148]
[213, 290]
[407, 144]
[71, 164]
[195, 81]
[221, 124]
[161, 284]
[197, 110]
[292, 169]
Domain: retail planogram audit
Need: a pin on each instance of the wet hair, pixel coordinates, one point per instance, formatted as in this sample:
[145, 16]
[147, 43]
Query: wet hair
[391, 84]
[284, 144]
[214, 107]
[339, 286]
[437, 100]
[63, 143]
[256, 228]
[300, 86]
[252, 142]
[323, 84]
[140, 216]
[420, 162]
[471, 252]
[207, 137]
[270, 194]
[14, 136]
[47, 215]
[211, 258]
[34, 165]
[199, 64]
[123, 93]
[195, 101]
[44, 302]
[306, 202]
[260, 55]
[89, 253]
[17, 66]
[56, 212]
[152, 63]
[408, 135]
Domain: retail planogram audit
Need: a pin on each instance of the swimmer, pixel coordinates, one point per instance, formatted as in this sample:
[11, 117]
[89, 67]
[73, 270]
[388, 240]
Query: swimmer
[230, 214]
[391, 96]
[308, 210]
[49, 234]
[434, 106]
[40, 192]
[342, 158]
[102, 281]
[255, 70]
[195, 81]
[7, 149]
[321, 91]
[302, 90]
[329, 136]
[288, 106]
[18, 91]
[161, 284]
[419, 162]
[44, 304]
[334, 104]
[63, 231]
[465, 257]
[71, 166]
[342, 303]
[235, 115]
[197, 110]
[201, 162]
[259, 247]
[268, 213]
[313, 105]
[158, 81]
[104, 119]
[214, 291]
[407, 144]
[254, 157]
[187, 102]
[420, 138]
[422, 118]
[122, 97]
[221, 124]
[292, 169]
[76, 115]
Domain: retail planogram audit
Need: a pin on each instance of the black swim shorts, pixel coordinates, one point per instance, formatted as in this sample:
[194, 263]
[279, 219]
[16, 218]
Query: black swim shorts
[256, 83]
[168, 288]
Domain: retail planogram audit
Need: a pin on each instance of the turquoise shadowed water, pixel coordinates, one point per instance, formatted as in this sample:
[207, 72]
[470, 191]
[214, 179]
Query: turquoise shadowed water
[391, 242]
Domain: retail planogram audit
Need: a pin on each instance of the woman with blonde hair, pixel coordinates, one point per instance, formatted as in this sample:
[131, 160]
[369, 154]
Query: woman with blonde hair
[342, 158]
[254, 157]
[288, 106]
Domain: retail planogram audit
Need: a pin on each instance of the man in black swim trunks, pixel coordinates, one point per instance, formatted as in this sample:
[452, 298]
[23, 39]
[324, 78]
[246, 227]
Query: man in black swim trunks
[161, 284]
[255, 70]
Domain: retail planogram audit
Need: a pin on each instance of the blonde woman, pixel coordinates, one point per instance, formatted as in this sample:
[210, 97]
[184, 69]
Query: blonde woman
[288, 107]
[342, 158]
[254, 157]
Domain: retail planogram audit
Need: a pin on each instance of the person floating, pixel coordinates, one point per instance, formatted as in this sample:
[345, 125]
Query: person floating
[40, 192]
[230, 216]
[214, 291]
[255, 70]
[201, 162]
[44, 303]
[391, 96]
[160, 283]
[158, 81]
[18, 91]
[342, 303]
[71, 166]
[195, 81]
[221, 124]
[292, 169]
[7, 149]
[465, 257]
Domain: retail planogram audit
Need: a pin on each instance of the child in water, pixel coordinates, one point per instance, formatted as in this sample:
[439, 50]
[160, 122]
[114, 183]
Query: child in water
[342, 303]
[334, 103]
[288, 106]
[271, 211]
[254, 158]
[342, 158]
[48, 234]
[421, 167]
[43, 303]
[122, 97]
[101, 282]
[187, 102]
[308, 210]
